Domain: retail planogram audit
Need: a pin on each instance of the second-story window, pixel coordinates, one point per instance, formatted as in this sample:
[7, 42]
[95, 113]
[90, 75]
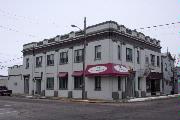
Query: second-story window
[129, 54]
[138, 56]
[98, 52]
[78, 55]
[119, 52]
[50, 60]
[27, 63]
[158, 61]
[152, 60]
[39, 61]
[147, 60]
[63, 57]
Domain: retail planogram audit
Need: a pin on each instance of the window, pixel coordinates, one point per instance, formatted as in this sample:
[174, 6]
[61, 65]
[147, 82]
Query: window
[148, 85]
[63, 57]
[152, 60]
[78, 82]
[158, 63]
[97, 83]
[50, 60]
[98, 52]
[119, 83]
[27, 63]
[128, 54]
[50, 83]
[157, 85]
[138, 56]
[147, 60]
[63, 82]
[139, 83]
[165, 67]
[78, 55]
[119, 52]
[39, 61]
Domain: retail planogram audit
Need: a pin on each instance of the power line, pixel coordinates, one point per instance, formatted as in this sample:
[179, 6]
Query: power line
[157, 26]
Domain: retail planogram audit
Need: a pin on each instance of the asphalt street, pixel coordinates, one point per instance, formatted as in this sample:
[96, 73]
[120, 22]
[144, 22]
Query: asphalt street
[12, 108]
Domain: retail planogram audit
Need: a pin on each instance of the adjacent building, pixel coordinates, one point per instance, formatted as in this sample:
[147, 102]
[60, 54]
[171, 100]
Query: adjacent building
[177, 80]
[168, 70]
[120, 63]
[3, 80]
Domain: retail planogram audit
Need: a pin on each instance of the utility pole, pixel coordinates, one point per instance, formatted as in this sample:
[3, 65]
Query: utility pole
[84, 63]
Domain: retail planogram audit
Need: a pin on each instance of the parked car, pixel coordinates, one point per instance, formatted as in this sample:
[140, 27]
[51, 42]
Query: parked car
[4, 91]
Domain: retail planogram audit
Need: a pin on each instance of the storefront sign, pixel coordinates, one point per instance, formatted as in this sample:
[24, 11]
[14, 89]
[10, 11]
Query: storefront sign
[97, 69]
[120, 68]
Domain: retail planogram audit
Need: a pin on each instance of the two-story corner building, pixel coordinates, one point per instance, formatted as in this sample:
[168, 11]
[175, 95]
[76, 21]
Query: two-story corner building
[168, 72]
[120, 63]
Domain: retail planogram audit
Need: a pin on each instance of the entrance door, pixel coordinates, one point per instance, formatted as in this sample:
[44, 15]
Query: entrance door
[38, 86]
[153, 87]
[26, 85]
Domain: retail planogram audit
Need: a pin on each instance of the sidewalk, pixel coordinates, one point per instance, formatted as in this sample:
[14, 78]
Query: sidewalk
[152, 98]
[97, 100]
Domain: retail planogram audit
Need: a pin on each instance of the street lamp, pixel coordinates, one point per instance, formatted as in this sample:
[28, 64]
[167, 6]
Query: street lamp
[84, 56]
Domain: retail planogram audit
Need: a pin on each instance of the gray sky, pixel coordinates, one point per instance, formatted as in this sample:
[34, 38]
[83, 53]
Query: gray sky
[48, 18]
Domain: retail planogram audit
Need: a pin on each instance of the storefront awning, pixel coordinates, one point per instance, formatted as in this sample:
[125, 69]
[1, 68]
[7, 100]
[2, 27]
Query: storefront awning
[154, 76]
[63, 74]
[108, 69]
[77, 73]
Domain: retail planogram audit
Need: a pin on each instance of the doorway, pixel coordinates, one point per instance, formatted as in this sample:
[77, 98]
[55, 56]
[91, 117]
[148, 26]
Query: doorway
[26, 85]
[38, 86]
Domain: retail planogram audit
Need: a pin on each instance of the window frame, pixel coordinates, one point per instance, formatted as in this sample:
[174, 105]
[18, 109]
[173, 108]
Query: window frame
[97, 52]
[49, 61]
[27, 63]
[48, 84]
[62, 59]
[152, 59]
[63, 83]
[39, 62]
[119, 83]
[77, 55]
[97, 83]
[78, 80]
[129, 57]
[158, 61]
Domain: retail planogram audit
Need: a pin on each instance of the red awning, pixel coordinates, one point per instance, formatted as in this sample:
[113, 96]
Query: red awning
[77, 73]
[63, 74]
[108, 69]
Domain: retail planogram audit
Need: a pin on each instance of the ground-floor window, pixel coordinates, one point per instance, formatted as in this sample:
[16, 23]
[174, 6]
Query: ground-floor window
[50, 83]
[97, 83]
[157, 85]
[78, 82]
[63, 82]
[119, 83]
[148, 85]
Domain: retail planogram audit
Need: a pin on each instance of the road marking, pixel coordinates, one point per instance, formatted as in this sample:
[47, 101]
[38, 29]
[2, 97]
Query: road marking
[8, 112]
[7, 105]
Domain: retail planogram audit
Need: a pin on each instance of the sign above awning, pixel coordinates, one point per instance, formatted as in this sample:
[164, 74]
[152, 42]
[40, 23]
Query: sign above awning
[77, 73]
[63, 74]
[108, 69]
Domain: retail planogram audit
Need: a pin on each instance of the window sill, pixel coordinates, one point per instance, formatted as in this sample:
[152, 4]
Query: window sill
[97, 59]
[49, 89]
[77, 88]
[97, 89]
[63, 89]
[49, 65]
[63, 63]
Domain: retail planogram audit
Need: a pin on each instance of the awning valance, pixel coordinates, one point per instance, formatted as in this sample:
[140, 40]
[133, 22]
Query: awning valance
[108, 69]
[77, 73]
[63, 74]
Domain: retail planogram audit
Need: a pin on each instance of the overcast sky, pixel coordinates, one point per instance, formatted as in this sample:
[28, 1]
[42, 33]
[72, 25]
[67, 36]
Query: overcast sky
[24, 21]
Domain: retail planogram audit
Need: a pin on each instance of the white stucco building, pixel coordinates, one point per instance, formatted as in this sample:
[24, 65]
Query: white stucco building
[168, 72]
[120, 63]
